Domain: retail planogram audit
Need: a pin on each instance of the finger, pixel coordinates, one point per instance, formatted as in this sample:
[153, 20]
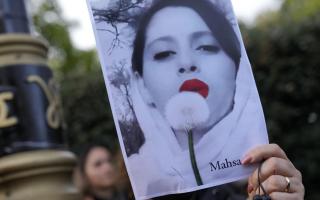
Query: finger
[286, 196]
[277, 183]
[251, 195]
[263, 152]
[273, 166]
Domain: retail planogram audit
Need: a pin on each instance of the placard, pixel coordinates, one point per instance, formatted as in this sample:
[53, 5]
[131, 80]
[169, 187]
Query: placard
[181, 90]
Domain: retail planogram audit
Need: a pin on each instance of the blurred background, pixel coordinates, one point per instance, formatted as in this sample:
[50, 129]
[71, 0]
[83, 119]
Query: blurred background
[282, 38]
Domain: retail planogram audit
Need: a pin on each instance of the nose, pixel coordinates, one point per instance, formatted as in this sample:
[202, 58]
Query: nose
[186, 62]
[190, 69]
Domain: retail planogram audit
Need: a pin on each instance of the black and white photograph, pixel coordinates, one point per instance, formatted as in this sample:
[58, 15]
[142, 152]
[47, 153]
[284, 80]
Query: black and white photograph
[182, 92]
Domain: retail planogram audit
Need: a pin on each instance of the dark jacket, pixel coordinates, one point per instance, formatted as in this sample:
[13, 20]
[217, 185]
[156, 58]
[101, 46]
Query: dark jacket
[223, 192]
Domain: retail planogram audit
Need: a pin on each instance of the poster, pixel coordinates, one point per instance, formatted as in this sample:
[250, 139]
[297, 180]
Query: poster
[181, 90]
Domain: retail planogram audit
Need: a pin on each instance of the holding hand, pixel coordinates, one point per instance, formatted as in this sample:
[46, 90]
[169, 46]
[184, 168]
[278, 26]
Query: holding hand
[278, 176]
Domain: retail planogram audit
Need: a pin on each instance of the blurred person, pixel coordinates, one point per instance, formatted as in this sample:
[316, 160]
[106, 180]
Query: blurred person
[97, 175]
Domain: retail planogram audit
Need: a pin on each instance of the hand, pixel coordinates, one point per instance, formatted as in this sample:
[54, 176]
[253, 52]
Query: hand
[274, 169]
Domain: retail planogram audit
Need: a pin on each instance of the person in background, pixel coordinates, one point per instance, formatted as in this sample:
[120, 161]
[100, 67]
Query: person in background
[97, 174]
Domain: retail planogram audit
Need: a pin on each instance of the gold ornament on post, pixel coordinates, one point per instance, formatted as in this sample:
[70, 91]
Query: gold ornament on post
[54, 108]
[5, 120]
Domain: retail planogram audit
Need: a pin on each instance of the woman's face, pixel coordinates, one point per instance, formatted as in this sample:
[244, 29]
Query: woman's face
[99, 168]
[181, 54]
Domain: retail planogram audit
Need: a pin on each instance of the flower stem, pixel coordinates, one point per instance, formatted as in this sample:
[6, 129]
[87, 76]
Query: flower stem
[193, 159]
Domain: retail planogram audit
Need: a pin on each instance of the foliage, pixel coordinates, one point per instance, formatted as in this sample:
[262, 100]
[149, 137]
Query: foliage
[299, 10]
[86, 107]
[64, 58]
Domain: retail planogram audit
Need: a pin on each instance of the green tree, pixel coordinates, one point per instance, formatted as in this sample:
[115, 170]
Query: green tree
[86, 107]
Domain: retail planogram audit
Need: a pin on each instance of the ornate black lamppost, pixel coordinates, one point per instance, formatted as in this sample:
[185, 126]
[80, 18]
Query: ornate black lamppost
[34, 162]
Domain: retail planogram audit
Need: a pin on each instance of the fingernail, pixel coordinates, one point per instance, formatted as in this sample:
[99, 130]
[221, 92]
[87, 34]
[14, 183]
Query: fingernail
[246, 160]
[249, 188]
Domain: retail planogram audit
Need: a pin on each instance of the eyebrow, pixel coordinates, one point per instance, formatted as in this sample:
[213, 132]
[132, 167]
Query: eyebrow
[199, 34]
[194, 35]
[160, 39]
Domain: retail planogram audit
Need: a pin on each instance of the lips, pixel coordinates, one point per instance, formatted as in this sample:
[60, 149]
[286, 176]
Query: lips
[195, 85]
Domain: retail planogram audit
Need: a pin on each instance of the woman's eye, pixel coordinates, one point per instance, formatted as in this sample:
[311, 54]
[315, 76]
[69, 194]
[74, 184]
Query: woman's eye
[163, 55]
[209, 48]
[98, 163]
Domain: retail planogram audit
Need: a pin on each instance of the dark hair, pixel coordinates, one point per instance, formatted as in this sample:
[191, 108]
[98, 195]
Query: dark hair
[212, 16]
[83, 157]
[80, 177]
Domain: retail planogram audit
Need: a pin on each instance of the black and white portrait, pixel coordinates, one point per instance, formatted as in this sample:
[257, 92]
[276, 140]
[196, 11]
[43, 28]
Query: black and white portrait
[181, 90]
